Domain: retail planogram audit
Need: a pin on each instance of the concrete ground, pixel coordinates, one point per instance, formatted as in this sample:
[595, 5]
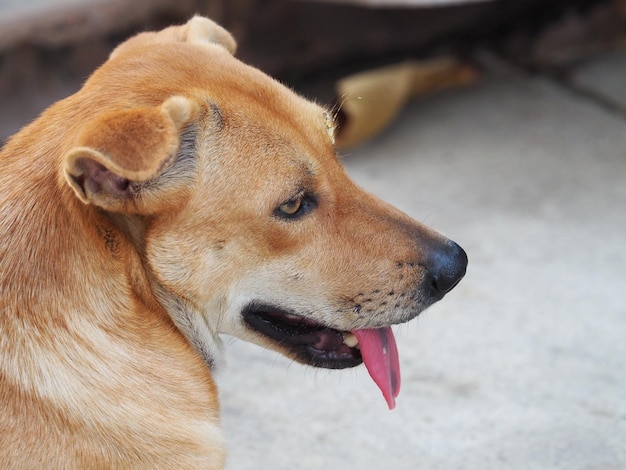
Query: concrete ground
[523, 365]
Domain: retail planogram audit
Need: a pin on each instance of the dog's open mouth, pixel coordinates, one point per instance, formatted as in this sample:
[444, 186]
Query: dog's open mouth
[318, 345]
[312, 342]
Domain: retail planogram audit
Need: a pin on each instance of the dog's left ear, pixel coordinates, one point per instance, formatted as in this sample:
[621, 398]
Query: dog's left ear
[120, 155]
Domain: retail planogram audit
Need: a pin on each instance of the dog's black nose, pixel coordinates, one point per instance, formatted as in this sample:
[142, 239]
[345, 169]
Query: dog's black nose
[446, 267]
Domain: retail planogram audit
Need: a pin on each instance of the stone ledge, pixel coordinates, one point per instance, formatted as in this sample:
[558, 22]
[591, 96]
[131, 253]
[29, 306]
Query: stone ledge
[59, 22]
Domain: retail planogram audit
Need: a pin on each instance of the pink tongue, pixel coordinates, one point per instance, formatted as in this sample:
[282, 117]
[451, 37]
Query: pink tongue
[380, 355]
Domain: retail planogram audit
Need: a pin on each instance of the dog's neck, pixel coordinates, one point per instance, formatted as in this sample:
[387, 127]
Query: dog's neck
[192, 325]
[183, 314]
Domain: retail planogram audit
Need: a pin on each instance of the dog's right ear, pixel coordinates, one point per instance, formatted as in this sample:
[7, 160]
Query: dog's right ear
[120, 155]
[202, 30]
[198, 30]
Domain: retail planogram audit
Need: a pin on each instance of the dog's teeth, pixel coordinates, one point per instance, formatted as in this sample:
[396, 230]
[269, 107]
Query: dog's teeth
[350, 340]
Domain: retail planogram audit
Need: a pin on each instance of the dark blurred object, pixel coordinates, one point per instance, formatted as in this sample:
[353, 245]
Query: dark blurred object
[282, 37]
[573, 37]
[399, 3]
[292, 39]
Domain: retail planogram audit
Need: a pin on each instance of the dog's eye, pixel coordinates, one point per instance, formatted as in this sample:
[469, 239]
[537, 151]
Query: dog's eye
[295, 207]
[291, 207]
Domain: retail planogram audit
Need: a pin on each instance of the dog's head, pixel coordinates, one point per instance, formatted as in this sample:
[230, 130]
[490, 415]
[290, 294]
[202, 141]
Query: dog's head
[228, 186]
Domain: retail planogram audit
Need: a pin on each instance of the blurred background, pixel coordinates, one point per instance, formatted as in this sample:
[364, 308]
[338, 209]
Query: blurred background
[49, 47]
[500, 123]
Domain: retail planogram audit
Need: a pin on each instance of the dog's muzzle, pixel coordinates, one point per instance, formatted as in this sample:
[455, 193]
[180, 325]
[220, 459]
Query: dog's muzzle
[320, 345]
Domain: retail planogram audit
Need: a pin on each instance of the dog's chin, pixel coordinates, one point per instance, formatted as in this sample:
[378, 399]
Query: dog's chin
[302, 339]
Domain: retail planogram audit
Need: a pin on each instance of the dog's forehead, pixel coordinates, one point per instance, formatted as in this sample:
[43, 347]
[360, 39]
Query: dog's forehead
[259, 101]
[213, 75]
[254, 112]
[264, 113]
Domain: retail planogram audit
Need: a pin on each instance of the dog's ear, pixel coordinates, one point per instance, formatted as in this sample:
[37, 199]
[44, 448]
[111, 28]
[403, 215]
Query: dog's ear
[120, 155]
[198, 30]
[202, 30]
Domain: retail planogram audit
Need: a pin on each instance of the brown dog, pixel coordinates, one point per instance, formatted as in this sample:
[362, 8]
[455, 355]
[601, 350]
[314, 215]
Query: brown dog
[179, 195]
